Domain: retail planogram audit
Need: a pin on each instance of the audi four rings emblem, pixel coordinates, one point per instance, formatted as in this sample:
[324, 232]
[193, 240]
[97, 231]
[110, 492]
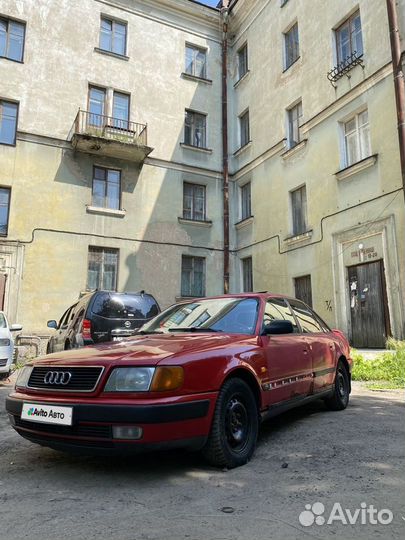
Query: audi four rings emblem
[127, 324]
[57, 377]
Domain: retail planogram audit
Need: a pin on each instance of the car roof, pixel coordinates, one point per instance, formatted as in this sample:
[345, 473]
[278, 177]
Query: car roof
[261, 294]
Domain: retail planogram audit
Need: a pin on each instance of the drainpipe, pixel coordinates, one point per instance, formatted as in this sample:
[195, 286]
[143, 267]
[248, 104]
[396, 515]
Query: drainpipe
[399, 81]
[225, 164]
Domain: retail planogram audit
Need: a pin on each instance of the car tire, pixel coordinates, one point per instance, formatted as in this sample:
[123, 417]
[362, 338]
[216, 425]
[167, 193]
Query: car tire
[235, 426]
[4, 376]
[341, 389]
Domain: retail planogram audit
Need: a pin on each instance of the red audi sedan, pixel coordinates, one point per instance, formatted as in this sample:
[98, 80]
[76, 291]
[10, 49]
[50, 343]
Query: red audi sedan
[201, 375]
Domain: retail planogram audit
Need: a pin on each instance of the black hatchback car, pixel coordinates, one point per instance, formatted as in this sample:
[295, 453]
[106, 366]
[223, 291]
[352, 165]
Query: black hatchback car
[101, 316]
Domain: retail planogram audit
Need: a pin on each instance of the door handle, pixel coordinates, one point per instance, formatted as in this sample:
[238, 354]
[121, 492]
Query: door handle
[305, 351]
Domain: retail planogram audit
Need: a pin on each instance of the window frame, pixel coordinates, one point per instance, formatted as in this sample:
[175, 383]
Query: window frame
[193, 186]
[246, 188]
[291, 43]
[204, 146]
[17, 104]
[247, 274]
[337, 33]
[125, 122]
[192, 281]
[243, 52]
[291, 143]
[113, 21]
[304, 211]
[24, 25]
[8, 188]
[106, 170]
[358, 138]
[244, 129]
[196, 49]
[103, 250]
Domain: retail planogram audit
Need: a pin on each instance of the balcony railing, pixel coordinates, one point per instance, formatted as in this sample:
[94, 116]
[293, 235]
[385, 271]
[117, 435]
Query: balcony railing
[108, 127]
[345, 66]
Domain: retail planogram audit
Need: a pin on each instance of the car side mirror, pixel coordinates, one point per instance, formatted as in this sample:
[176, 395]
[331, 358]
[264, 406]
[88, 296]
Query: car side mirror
[16, 327]
[52, 324]
[278, 327]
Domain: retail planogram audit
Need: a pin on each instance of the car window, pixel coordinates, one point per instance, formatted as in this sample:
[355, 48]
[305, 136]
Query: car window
[64, 318]
[3, 322]
[125, 306]
[305, 317]
[277, 309]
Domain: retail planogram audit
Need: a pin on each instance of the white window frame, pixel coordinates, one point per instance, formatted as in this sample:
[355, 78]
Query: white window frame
[196, 49]
[205, 139]
[193, 215]
[361, 151]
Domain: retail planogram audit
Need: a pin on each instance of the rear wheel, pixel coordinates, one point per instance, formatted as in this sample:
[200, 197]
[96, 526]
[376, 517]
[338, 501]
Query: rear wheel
[235, 426]
[341, 390]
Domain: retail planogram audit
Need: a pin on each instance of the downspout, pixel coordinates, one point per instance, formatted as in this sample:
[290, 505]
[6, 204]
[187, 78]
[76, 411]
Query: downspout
[225, 164]
[399, 81]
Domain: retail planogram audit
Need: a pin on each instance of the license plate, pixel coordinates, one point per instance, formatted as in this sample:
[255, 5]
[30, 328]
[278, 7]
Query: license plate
[47, 414]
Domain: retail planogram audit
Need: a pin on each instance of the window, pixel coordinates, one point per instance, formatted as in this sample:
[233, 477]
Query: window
[349, 38]
[195, 129]
[357, 138]
[244, 129]
[303, 289]
[277, 310]
[120, 110]
[196, 61]
[106, 188]
[247, 271]
[308, 322]
[8, 122]
[299, 210]
[192, 276]
[102, 269]
[4, 210]
[113, 36]
[294, 118]
[246, 201]
[97, 101]
[291, 46]
[242, 61]
[12, 39]
[194, 202]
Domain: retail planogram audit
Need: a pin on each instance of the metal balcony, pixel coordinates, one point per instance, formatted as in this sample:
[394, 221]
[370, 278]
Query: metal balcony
[111, 137]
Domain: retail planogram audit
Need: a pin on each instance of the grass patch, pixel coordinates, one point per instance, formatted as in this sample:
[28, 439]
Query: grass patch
[387, 371]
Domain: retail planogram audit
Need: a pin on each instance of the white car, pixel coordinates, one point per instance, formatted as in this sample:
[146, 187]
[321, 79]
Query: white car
[6, 345]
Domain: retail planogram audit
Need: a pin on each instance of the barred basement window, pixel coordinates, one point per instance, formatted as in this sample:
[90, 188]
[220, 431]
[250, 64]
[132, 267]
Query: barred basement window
[102, 269]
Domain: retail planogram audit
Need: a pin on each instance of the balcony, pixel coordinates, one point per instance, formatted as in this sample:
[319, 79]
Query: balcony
[110, 137]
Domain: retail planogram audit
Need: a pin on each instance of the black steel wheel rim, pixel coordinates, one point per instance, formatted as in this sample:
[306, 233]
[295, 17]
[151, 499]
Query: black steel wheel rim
[237, 425]
[342, 386]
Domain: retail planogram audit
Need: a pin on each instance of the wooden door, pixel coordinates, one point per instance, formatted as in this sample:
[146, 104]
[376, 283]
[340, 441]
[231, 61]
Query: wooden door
[303, 289]
[368, 305]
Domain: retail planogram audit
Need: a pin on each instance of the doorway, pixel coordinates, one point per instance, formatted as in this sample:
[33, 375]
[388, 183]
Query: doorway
[368, 305]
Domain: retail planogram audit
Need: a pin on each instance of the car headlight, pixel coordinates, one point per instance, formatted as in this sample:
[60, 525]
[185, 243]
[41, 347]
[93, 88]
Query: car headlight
[23, 377]
[4, 342]
[130, 379]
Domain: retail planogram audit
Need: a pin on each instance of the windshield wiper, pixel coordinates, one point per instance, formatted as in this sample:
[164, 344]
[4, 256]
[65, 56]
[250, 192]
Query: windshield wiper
[146, 332]
[194, 329]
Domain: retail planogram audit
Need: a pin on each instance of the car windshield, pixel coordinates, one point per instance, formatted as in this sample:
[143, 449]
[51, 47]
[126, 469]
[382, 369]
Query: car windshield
[125, 306]
[3, 322]
[229, 315]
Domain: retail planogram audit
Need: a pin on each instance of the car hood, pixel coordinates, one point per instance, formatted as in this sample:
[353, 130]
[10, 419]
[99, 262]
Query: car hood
[148, 350]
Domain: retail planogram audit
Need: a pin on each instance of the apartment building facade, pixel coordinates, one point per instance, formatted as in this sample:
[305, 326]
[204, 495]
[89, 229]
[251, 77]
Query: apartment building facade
[111, 171]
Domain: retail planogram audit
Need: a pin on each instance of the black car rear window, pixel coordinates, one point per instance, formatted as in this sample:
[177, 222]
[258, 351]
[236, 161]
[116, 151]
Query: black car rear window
[125, 306]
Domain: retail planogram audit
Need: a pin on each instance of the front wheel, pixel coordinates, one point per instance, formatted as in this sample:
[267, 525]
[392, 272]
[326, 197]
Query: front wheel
[235, 426]
[341, 389]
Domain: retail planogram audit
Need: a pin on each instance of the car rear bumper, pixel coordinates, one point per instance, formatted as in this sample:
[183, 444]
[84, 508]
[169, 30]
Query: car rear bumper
[163, 425]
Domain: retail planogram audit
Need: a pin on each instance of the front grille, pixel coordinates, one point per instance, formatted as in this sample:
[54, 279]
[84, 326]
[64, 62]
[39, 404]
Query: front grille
[83, 379]
[3, 362]
[81, 430]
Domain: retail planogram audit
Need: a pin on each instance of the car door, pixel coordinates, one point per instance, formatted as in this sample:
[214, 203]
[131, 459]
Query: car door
[60, 336]
[320, 343]
[288, 360]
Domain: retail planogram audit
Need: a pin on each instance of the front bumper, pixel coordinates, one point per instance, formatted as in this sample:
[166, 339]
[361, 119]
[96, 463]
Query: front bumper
[180, 424]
